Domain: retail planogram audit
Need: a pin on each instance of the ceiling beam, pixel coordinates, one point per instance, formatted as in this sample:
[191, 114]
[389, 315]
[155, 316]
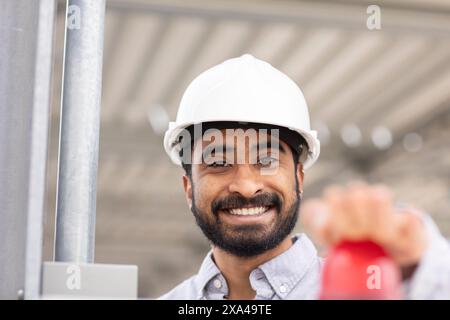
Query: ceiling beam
[314, 14]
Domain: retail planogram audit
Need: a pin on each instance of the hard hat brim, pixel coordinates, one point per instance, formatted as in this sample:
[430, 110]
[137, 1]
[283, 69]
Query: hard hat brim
[173, 148]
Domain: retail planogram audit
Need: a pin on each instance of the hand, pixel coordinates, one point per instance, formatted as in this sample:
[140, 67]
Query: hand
[363, 212]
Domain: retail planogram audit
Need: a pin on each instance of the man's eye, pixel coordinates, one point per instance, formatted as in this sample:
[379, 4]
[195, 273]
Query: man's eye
[218, 164]
[267, 161]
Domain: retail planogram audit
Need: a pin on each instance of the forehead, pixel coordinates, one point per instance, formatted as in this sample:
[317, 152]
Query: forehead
[246, 137]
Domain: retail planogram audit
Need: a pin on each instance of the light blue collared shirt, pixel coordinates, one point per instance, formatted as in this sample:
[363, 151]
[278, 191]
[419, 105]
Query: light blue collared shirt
[295, 274]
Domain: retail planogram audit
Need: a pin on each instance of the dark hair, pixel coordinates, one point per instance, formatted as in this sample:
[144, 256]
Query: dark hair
[294, 140]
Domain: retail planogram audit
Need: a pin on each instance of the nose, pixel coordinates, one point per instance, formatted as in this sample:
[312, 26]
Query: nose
[246, 181]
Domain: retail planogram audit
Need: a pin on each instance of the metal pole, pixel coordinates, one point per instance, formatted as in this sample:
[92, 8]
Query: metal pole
[79, 131]
[26, 31]
[39, 147]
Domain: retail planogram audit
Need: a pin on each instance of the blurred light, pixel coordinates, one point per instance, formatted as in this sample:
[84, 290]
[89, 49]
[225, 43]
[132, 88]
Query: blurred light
[351, 135]
[412, 142]
[382, 138]
[158, 118]
[323, 132]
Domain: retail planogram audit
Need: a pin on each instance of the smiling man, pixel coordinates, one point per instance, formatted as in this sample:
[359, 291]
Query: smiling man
[243, 137]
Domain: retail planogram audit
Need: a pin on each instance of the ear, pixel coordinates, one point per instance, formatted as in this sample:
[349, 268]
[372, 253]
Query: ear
[300, 175]
[187, 185]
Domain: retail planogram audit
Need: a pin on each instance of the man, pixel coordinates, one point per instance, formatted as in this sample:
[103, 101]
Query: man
[243, 137]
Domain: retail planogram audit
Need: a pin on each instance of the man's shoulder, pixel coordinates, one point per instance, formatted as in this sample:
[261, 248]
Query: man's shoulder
[186, 290]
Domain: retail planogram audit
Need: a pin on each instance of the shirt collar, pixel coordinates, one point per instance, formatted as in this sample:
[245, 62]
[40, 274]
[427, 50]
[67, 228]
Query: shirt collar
[208, 270]
[283, 271]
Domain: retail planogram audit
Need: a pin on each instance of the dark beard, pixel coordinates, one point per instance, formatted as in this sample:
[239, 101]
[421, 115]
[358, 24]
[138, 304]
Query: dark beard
[248, 240]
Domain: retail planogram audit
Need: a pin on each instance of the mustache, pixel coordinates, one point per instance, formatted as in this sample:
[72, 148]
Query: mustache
[237, 201]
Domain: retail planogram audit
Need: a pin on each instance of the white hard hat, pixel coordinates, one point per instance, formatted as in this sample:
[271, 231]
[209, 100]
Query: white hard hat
[243, 89]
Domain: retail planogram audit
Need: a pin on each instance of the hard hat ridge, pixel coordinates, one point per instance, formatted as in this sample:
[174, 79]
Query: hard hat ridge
[243, 89]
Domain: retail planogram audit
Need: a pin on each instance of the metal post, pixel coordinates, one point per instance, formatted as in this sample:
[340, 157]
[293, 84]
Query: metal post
[79, 131]
[26, 31]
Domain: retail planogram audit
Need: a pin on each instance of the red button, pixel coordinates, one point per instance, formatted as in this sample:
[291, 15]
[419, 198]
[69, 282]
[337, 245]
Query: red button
[360, 270]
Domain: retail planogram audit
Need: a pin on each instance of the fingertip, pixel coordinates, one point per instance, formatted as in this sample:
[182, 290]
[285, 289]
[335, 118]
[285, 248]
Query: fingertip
[357, 184]
[381, 191]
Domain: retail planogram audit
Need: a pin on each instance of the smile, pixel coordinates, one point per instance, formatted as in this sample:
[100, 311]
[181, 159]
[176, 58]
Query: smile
[261, 215]
[251, 211]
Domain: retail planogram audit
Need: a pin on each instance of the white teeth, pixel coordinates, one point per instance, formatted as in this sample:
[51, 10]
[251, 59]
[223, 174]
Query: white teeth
[249, 211]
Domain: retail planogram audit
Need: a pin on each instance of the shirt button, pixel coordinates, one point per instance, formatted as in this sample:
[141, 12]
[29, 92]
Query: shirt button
[283, 288]
[217, 284]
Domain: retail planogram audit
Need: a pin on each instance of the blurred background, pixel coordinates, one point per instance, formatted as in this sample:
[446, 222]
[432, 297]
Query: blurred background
[380, 100]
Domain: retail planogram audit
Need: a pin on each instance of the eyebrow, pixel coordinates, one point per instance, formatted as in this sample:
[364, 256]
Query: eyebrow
[209, 148]
[267, 145]
[262, 145]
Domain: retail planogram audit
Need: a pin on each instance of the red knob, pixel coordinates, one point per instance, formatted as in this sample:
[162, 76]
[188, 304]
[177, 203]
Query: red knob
[360, 270]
